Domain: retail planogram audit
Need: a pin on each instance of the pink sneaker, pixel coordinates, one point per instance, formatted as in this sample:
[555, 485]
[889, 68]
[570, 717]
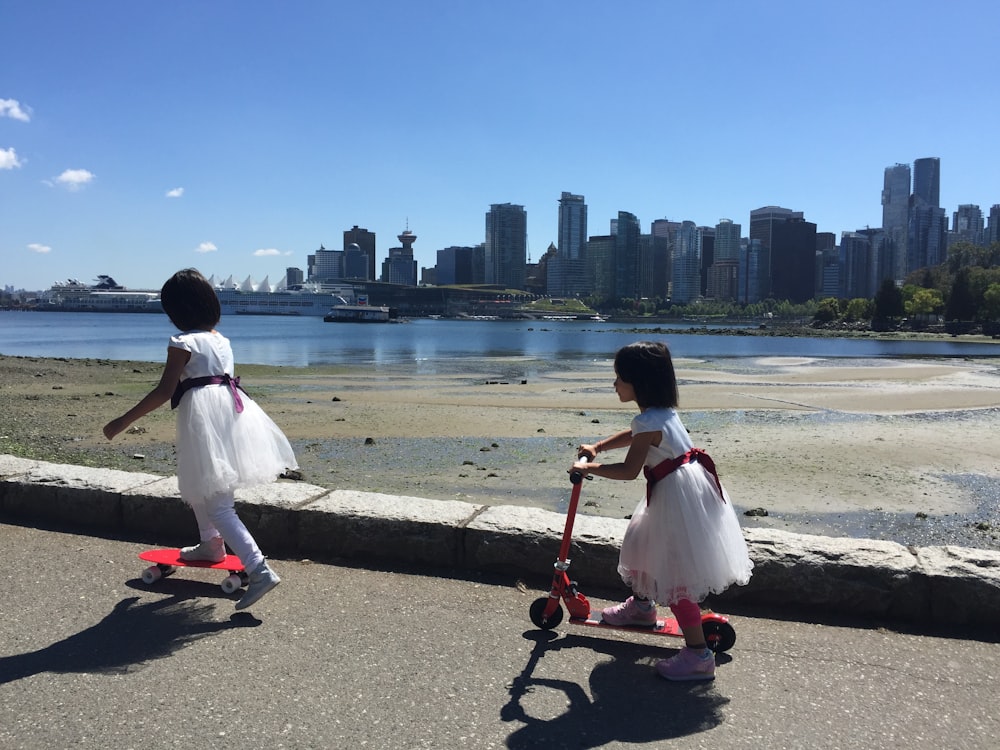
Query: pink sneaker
[629, 613]
[688, 665]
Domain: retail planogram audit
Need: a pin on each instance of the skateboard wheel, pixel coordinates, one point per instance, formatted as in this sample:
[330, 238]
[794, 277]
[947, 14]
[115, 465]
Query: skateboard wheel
[167, 570]
[232, 584]
[151, 575]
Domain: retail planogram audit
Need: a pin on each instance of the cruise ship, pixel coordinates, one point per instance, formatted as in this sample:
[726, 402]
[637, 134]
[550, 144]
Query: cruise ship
[246, 298]
[250, 298]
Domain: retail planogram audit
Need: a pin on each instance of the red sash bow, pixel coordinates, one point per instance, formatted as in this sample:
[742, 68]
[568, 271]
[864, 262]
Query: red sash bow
[670, 465]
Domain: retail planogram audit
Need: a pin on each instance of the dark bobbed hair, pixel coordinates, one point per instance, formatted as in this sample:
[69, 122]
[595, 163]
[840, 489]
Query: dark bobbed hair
[648, 368]
[190, 302]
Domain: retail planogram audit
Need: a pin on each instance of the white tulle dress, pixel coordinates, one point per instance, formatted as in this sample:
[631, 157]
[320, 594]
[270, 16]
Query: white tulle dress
[686, 542]
[218, 448]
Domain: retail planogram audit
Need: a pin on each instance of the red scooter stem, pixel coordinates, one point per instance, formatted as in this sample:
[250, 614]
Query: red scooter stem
[576, 478]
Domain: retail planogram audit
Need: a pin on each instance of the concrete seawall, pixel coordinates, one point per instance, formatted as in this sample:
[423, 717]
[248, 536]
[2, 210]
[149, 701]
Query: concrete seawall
[943, 585]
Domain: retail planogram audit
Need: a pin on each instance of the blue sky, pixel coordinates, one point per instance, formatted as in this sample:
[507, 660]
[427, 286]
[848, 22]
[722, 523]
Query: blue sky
[137, 138]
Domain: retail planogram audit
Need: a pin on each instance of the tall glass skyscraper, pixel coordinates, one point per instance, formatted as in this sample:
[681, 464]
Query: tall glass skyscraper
[572, 226]
[506, 245]
[567, 272]
[927, 181]
[896, 217]
[626, 263]
[928, 225]
[685, 281]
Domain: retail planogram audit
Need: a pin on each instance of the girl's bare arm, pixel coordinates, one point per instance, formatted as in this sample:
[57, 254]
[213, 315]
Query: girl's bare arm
[176, 359]
[631, 467]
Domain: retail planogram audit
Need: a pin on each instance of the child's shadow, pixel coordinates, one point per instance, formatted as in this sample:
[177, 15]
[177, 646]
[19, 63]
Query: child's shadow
[129, 636]
[630, 702]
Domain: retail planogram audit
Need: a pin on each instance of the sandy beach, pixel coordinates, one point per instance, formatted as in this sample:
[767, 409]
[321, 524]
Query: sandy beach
[895, 449]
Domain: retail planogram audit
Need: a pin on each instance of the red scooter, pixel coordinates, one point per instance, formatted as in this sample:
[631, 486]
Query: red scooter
[546, 613]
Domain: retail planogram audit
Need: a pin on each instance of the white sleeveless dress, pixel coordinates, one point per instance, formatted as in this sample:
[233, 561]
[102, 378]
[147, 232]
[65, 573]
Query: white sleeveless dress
[686, 543]
[218, 449]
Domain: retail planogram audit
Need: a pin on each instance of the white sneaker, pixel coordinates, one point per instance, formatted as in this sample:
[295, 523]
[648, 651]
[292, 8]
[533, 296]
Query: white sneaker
[214, 550]
[262, 580]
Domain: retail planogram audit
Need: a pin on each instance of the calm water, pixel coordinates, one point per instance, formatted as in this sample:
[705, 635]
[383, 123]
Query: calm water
[431, 345]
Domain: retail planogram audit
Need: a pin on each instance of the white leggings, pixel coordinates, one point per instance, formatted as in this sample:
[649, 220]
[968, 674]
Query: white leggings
[216, 516]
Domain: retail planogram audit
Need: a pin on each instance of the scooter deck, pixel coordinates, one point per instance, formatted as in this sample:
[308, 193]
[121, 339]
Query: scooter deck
[663, 626]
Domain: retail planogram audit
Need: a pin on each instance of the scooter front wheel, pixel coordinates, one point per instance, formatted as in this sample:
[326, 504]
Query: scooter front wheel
[720, 636]
[537, 614]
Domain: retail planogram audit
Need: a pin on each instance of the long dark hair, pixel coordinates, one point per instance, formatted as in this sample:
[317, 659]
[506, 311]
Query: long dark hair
[648, 368]
[190, 302]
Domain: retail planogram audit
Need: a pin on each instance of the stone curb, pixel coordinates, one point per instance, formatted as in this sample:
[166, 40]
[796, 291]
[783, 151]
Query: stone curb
[858, 577]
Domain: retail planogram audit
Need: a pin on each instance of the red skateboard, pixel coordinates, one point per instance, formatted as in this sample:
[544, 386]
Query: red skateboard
[166, 561]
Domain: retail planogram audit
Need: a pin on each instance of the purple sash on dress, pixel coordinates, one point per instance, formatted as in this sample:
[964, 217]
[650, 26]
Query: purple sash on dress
[186, 385]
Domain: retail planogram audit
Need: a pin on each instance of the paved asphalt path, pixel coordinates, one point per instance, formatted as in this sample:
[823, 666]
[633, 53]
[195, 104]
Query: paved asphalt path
[344, 657]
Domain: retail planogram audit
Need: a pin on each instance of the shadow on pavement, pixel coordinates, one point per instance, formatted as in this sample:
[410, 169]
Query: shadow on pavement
[129, 636]
[630, 702]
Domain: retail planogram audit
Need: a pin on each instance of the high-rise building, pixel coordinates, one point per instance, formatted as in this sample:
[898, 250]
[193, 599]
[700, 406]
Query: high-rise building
[751, 271]
[994, 226]
[723, 275]
[454, 266]
[366, 241]
[896, 217]
[600, 265]
[685, 282]
[355, 263]
[566, 270]
[294, 277]
[927, 181]
[927, 239]
[627, 256]
[967, 225]
[926, 242]
[663, 231]
[326, 266]
[706, 241]
[400, 267]
[762, 224]
[572, 226]
[506, 245]
[793, 260]
[855, 251]
[879, 262]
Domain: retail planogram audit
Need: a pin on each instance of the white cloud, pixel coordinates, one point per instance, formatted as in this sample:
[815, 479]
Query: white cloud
[175, 193]
[12, 108]
[270, 252]
[36, 247]
[207, 247]
[8, 159]
[74, 179]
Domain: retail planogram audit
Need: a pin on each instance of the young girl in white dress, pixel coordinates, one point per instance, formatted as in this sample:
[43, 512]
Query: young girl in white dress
[684, 540]
[224, 439]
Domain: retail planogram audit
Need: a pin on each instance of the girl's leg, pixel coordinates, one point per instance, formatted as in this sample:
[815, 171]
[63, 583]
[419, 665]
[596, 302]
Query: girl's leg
[210, 547]
[695, 661]
[688, 615]
[206, 529]
[221, 512]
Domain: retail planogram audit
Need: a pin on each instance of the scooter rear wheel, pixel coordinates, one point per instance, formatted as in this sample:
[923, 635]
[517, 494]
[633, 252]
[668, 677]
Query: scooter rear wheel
[537, 614]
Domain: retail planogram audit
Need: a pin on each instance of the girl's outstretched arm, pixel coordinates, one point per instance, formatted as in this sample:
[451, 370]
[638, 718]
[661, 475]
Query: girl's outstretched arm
[619, 440]
[634, 459]
[176, 359]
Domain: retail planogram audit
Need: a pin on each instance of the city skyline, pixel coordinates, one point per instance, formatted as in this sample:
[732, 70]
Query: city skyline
[240, 139]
